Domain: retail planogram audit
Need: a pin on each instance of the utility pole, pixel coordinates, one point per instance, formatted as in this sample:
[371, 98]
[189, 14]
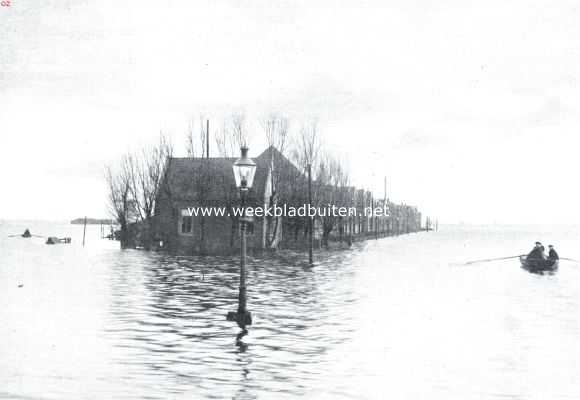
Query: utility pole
[207, 138]
[310, 224]
[385, 188]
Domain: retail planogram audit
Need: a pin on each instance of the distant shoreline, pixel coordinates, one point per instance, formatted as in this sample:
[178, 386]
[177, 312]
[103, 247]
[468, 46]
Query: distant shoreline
[92, 221]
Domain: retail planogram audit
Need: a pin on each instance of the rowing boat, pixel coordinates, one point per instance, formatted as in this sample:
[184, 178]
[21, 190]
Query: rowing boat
[538, 266]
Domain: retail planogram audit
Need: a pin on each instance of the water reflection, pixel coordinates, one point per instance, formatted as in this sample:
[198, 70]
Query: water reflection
[388, 318]
[243, 346]
[167, 316]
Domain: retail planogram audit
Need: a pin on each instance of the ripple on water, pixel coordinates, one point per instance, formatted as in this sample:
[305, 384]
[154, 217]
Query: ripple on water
[386, 319]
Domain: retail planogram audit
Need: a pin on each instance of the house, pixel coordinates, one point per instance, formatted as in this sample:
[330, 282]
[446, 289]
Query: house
[209, 182]
[190, 184]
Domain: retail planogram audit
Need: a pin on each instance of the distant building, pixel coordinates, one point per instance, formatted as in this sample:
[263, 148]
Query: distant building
[209, 182]
[190, 184]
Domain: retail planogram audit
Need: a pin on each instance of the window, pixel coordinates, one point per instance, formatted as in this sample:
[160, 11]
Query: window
[185, 223]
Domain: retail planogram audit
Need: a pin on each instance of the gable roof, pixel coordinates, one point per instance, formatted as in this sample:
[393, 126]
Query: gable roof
[212, 179]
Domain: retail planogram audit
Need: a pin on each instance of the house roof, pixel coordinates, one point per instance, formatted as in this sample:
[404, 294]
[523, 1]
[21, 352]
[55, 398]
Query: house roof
[212, 179]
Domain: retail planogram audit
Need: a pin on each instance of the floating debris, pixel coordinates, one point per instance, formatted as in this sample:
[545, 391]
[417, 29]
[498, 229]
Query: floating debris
[55, 240]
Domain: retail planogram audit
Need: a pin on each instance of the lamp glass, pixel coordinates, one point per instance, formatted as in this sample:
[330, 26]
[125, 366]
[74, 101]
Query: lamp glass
[244, 170]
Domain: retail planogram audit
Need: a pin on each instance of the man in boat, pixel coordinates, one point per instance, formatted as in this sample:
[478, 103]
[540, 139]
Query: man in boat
[26, 233]
[552, 254]
[537, 253]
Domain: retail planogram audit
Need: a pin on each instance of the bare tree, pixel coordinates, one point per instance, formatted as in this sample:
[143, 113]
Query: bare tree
[196, 142]
[327, 171]
[238, 129]
[229, 139]
[276, 130]
[331, 189]
[147, 172]
[134, 187]
[190, 142]
[225, 144]
[305, 154]
[307, 146]
[119, 198]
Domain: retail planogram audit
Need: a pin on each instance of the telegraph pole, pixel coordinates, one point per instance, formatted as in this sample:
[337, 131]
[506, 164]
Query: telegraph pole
[310, 224]
[207, 138]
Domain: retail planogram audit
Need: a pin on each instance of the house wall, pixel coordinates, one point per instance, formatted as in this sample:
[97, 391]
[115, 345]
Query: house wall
[221, 235]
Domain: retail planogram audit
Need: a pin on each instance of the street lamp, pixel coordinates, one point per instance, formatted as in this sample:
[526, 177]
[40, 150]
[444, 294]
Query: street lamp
[244, 170]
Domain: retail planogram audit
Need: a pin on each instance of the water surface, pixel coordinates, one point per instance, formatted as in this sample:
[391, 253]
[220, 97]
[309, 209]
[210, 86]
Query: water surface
[394, 318]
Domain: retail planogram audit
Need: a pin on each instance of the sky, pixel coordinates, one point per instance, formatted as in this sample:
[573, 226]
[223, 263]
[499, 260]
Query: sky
[470, 109]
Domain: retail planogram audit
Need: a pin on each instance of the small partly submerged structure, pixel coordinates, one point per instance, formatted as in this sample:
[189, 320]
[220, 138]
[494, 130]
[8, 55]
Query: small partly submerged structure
[55, 240]
[538, 265]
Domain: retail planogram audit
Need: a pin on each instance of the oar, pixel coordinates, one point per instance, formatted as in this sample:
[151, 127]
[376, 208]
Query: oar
[492, 259]
[20, 235]
[569, 259]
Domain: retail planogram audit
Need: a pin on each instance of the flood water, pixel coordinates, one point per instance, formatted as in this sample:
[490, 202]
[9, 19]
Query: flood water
[396, 318]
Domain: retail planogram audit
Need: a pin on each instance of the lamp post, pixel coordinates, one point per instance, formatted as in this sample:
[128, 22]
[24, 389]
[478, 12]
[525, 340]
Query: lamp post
[244, 170]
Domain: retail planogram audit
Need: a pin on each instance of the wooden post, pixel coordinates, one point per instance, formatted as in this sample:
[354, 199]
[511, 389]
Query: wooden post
[375, 220]
[310, 219]
[384, 207]
[349, 221]
[84, 231]
[207, 139]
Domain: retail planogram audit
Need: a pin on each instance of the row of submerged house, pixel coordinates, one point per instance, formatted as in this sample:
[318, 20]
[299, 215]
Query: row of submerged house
[190, 183]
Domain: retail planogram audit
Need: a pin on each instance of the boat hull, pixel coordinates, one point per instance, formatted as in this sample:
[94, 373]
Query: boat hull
[539, 266]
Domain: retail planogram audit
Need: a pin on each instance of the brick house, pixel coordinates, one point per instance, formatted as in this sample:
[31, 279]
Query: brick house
[209, 182]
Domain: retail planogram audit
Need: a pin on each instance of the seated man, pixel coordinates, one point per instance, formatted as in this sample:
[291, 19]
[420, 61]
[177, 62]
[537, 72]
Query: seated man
[552, 254]
[537, 253]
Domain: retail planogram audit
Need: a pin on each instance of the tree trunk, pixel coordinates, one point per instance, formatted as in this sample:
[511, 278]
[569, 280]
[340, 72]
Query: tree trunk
[124, 236]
